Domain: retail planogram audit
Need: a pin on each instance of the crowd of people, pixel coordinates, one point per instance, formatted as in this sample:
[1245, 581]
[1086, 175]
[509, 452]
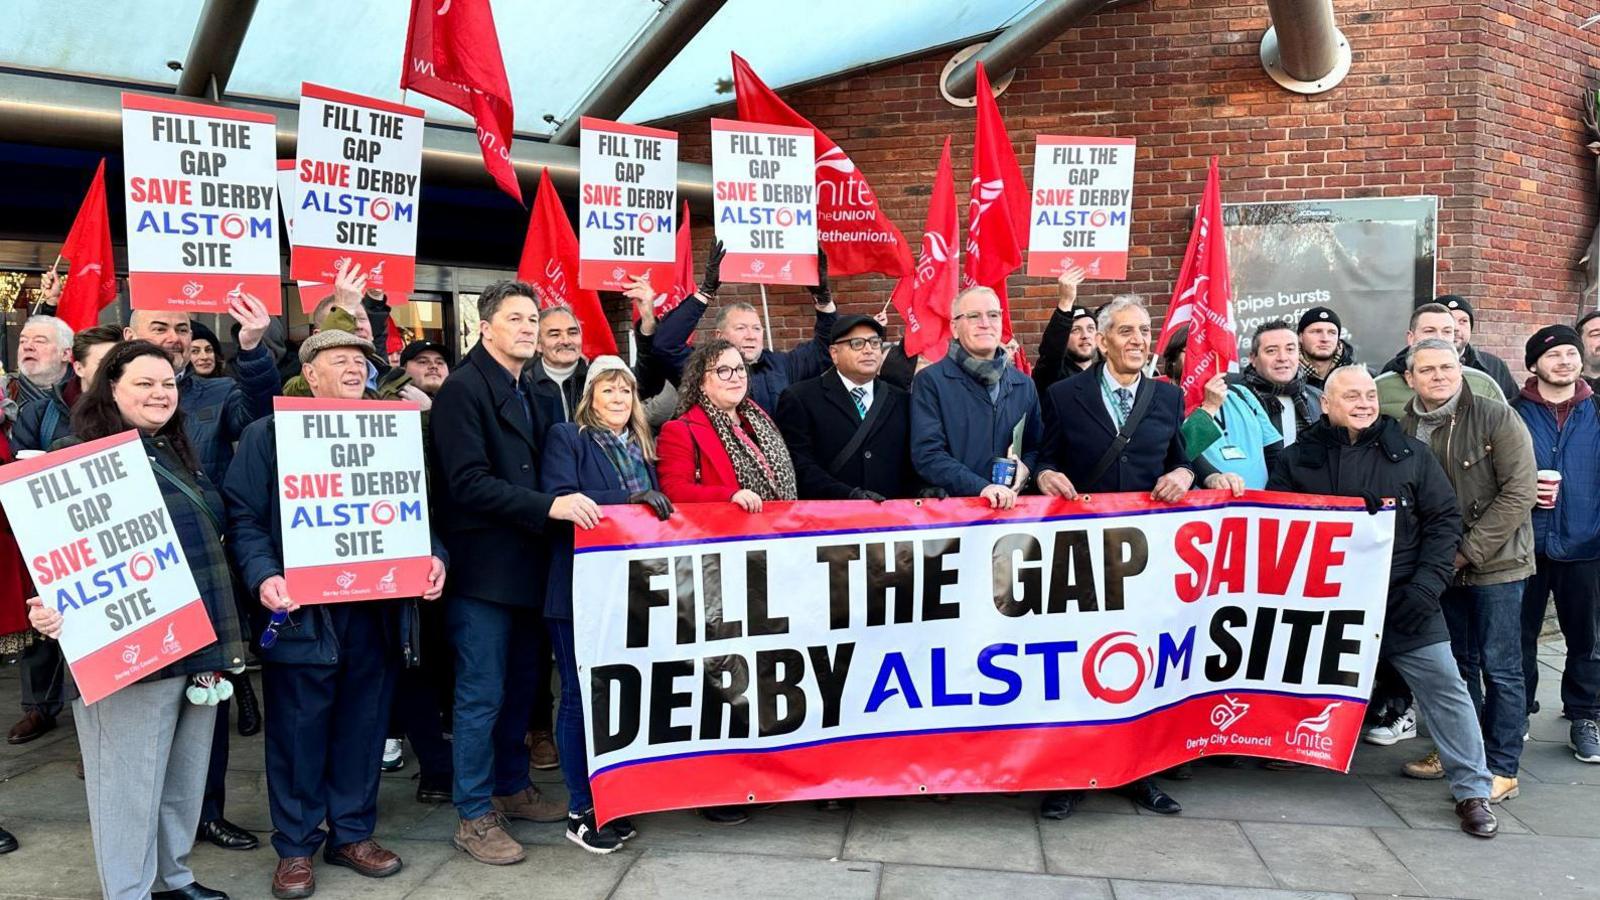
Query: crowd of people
[1496, 491]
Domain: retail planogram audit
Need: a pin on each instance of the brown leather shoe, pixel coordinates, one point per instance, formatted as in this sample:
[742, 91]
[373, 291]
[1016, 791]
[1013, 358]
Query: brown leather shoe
[293, 878]
[365, 857]
[485, 839]
[33, 724]
[542, 751]
[530, 805]
[1477, 819]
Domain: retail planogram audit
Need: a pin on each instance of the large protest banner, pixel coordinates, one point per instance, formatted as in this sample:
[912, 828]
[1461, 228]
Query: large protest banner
[359, 163]
[850, 649]
[764, 201]
[627, 205]
[201, 205]
[353, 499]
[101, 550]
[1082, 197]
[311, 292]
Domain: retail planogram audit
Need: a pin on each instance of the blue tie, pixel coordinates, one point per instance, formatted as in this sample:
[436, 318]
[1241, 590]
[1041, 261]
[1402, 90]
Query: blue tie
[859, 395]
[1124, 402]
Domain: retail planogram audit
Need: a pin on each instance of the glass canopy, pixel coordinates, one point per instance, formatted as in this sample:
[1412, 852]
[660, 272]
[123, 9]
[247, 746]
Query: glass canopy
[554, 51]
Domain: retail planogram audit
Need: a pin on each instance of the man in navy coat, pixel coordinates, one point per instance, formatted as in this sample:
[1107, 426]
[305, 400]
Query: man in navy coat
[1082, 417]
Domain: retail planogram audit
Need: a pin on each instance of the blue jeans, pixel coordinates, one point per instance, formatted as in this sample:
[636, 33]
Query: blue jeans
[569, 719]
[496, 678]
[1443, 701]
[1486, 638]
[1576, 586]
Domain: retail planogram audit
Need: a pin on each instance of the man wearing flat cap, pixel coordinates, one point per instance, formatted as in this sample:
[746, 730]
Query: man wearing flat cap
[849, 431]
[328, 670]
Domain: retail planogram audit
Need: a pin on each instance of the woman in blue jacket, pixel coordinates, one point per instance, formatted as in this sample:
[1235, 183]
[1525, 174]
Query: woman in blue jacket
[607, 454]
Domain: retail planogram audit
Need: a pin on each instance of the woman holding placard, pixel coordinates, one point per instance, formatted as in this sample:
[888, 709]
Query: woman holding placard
[605, 453]
[146, 748]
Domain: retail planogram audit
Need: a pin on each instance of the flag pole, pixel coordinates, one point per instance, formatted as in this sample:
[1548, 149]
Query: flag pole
[766, 316]
[53, 266]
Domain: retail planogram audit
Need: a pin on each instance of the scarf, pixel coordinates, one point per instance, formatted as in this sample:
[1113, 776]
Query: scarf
[760, 458]
[1266, 391]
[1344, 356]
[987, 372]
[1429, 421]
[626, 457]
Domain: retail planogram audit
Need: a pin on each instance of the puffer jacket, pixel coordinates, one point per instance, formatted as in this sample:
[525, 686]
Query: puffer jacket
[1383, 462]
[1488, 457]
[216, 410]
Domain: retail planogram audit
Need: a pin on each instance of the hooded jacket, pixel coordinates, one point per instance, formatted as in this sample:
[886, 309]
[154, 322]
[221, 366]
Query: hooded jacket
[1383, 462]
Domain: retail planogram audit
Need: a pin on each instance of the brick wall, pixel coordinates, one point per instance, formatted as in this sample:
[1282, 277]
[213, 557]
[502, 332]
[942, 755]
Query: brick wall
[1475, 102]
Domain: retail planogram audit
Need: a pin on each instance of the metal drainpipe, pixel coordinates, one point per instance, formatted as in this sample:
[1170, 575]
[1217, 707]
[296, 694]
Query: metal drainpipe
[1304, 51]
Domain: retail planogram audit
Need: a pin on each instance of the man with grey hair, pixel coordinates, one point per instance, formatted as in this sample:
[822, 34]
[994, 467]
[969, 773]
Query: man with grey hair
[1356, 451]
[975, 426]
[740, 325]
[44, 352]
[1488, 456]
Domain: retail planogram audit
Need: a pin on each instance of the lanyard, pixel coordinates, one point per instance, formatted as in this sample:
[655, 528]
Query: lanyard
[1117, 415]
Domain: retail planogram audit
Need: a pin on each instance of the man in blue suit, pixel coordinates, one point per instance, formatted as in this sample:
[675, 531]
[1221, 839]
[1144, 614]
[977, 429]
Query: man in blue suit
[1115, 429]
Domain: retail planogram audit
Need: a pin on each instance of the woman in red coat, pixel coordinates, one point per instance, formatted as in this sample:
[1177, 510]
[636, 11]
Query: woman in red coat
[722, 447]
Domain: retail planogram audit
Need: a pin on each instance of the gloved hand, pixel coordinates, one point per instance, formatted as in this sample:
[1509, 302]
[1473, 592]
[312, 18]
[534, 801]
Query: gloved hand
[1412, 613]
[711, 279]
[820, 292]
[864, 494]
[657, 501]
[933, 493]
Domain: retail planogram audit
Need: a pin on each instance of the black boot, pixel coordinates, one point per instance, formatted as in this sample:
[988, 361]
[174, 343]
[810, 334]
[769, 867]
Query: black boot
[249, 708]
[8, 841]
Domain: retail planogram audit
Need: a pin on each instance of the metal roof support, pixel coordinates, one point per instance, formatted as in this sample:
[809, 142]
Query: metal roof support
[215, 48]
[656, 46]
[1304, 51]
[70, 113]
[1022, 39]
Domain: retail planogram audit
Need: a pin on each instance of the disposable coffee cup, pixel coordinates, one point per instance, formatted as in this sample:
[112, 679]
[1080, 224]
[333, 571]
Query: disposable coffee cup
[1549, 486]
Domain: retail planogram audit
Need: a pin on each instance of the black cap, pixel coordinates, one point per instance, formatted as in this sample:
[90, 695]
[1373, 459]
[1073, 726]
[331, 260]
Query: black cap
[1546, 339]
[1079, 312]
[416, 348]
[847, 324]
[1586, 318]
[1318, 314]
[1454, 302]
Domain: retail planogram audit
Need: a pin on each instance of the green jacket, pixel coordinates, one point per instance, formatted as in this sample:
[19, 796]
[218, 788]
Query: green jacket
[1488, 457]
[1394, 393]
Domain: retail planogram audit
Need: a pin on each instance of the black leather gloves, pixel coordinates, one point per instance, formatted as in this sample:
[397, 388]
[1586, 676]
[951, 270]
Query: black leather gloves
[657, 501]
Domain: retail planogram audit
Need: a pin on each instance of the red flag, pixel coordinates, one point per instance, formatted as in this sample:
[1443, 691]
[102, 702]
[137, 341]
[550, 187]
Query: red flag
[998, 210]
[550, 264]
[92, 280]
[923, 298]
[1200, 300]
[682, 272]
[453, 56]
[852, 230]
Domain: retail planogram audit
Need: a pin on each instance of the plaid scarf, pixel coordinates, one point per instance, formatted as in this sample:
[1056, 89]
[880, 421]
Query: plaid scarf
[760, 458]
[1267, 391]
[1344, 356]
[626, 457]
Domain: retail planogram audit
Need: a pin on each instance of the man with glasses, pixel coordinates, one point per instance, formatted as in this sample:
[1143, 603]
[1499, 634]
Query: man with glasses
[975, 426]
[849, 431]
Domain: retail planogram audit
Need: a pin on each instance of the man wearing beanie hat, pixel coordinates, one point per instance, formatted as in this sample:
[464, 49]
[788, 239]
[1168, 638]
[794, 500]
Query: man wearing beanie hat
[1589, 330]
[1068, 345]
[1559, 409]
[1472, 357]
[329, 673]
[1321, 348]
[1430, 320]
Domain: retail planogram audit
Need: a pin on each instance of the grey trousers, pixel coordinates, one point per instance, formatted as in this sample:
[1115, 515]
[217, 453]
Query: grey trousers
[1442, 698]
[146, 750]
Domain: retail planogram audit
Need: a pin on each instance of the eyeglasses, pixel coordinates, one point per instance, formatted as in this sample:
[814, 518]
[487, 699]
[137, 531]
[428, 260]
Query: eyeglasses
[269, 636]
[860, 344]
[729, 373]
[991, 315]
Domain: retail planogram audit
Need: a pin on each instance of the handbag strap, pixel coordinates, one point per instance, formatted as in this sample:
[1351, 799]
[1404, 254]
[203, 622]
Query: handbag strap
[857, 439]
[1141, 405]
[166, 475]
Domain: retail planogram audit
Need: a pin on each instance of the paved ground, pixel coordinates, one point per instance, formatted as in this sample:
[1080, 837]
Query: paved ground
[1248, 834]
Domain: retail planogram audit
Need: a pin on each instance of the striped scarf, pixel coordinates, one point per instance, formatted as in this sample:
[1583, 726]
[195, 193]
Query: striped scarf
[633, 473]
